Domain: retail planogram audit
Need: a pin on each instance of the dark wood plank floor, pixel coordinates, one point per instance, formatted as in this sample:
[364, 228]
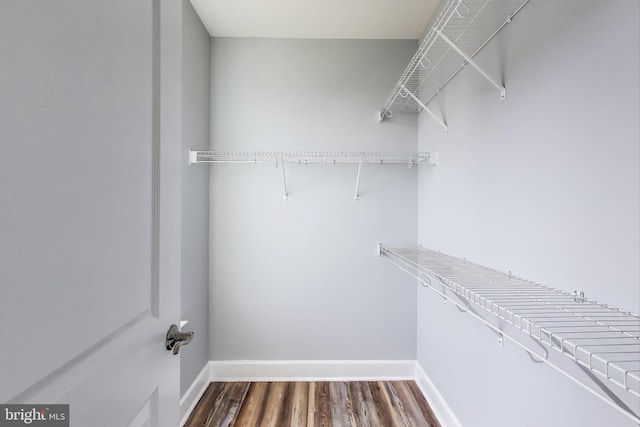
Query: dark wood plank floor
[313, 404]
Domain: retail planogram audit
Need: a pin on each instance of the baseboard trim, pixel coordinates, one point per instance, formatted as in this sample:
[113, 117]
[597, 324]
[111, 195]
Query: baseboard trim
[440, 407]
[312, 370]
[191, 397]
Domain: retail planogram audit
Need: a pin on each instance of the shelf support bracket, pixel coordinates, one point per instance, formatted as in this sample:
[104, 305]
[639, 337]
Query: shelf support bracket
[384, 114]
[424, 107]
[467, 58]
[356, 196]
[284, 181]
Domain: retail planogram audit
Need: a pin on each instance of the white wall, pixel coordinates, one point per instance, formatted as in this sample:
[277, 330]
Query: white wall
[546, 184]
[194, 296]
[300, 279]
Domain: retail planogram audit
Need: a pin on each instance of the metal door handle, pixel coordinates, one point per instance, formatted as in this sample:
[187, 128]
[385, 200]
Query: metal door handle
[176, 339]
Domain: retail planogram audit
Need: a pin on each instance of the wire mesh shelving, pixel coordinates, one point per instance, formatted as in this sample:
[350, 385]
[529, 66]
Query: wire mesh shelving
[461, 31]
[280, 158]
[603, 340]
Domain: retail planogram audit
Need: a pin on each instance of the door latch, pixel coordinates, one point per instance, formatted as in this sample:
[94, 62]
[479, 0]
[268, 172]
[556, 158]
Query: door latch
[176, 339]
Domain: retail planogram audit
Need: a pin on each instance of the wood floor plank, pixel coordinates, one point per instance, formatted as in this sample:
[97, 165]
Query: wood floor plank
[311, 413]
[205, 406]
[216, 405]
[359, 411]
[339, 404]
[228, 404]
[385, 412]
[396, 409]
[322, 416]
[273, 405]
[406, 407]
[300, 404]
[251, 411]
[407, 394]
[369, 402]
[424, 405]
[315, 404]
[286, 405]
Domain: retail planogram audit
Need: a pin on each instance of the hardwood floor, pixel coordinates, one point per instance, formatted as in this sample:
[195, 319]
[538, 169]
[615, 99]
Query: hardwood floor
[311, 404]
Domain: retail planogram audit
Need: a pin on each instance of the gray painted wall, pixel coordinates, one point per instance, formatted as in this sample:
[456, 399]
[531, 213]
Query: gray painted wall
[300, 279]
[546, 184]
[195, 195]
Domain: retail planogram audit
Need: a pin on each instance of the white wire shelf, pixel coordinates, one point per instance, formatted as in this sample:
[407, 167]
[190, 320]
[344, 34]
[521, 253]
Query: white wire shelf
[459, 33]
[603, 340]
[310, 157]
[280, 158]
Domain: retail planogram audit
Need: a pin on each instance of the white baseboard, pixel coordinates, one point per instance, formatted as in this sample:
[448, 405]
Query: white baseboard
[312, 370]
[194, 393]
[440, 407]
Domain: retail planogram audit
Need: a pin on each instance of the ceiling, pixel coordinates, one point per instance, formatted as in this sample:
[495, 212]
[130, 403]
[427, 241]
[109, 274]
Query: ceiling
[316, 19]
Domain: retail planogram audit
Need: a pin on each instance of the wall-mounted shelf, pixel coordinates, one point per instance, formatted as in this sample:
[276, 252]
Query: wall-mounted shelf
[310, 157]
[460, 32]
[604, 341]
[314, 157]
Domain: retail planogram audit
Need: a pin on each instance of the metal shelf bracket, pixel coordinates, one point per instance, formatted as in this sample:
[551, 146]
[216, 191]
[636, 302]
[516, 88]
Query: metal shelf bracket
[284, 182]
[467, 58]
[404, 92]
[356, 196]
[384, 114]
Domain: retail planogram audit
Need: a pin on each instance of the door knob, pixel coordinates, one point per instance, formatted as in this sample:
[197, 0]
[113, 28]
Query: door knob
[176, 339]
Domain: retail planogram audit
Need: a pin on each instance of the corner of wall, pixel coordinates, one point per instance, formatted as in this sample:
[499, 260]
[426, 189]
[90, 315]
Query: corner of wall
[436, 401]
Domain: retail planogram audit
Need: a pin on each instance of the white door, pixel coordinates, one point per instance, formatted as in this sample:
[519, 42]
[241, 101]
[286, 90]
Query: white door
[89, 208]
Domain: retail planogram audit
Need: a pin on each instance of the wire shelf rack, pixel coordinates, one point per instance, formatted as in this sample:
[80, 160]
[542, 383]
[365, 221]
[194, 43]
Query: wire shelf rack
[602, 339]
[280, 158]
[310, 157]
[459, 33]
